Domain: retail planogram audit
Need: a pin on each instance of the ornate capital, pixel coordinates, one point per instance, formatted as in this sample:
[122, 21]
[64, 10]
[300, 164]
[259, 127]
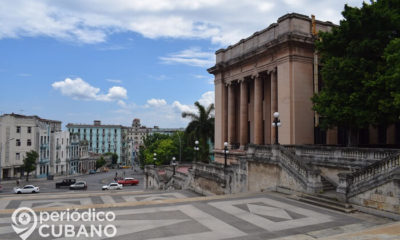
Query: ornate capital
[242, 79]
[255, 75]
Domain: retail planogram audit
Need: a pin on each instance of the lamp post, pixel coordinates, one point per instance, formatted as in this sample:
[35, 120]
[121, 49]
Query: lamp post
[1, 153]
[155, 158]
[196, 149]
[276, 124]
[180, 146]
[173, 163]
[226, 151]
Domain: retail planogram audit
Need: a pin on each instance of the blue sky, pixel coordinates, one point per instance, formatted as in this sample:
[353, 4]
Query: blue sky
[77, 61]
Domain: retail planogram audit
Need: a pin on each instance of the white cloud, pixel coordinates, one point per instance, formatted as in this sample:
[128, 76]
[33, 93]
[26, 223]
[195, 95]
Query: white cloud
[24, 74]
[113, 80]
[192, 57]
[81, 90]
[160, 112]
[92, 21]
[156, 102]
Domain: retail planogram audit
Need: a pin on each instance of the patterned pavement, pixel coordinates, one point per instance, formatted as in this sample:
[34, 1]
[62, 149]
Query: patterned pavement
[184, 215]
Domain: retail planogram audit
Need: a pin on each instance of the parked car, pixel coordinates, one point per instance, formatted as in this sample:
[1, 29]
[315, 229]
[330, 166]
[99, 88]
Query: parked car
[26, 189]
[65, 183]
[92, 171]
[112, 186]
[128, 181]
[81, 185]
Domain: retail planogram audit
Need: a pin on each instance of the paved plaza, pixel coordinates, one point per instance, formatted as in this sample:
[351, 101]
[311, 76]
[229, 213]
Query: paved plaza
[186, 215]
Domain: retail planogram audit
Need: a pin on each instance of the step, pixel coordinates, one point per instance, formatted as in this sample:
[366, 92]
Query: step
[323, 204]
[325, 199]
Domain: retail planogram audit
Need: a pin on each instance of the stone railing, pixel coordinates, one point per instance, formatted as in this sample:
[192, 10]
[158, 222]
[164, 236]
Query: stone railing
[348, 157]
[260, 152]
[351, 184]
[309, 178]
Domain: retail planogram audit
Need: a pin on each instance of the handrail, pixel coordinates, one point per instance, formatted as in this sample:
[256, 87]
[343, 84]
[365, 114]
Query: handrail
[372, 170]
[293, 162]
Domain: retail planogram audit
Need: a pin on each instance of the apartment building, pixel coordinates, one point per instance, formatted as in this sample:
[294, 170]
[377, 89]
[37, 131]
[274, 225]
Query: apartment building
[101, 138]
[20, 134]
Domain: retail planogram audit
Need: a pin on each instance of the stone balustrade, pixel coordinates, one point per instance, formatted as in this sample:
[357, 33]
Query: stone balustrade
[385, 165]
[347, 157]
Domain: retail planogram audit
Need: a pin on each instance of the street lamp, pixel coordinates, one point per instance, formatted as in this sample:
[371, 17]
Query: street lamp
[180, 146]
[226, 151]
[276, 124]
[155, 158]
[196, 149]
[1, 153]
[173, 163]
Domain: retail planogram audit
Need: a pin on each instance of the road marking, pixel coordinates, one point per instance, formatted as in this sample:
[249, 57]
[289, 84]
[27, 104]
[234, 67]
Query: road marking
[107, 199]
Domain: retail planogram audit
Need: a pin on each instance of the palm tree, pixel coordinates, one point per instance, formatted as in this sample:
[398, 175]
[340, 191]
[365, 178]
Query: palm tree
[202, 127]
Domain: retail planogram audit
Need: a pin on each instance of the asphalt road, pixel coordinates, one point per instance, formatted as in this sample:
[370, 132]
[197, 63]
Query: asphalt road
[94, 181]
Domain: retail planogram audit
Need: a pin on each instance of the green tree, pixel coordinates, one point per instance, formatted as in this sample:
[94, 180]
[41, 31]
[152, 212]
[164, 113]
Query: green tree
[100, 162]
[30, 162]
[201, 127]
[114, 158]
[355, 56]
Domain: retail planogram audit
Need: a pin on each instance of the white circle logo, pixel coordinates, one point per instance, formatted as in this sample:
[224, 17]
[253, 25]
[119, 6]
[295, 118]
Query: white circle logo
[24, 221]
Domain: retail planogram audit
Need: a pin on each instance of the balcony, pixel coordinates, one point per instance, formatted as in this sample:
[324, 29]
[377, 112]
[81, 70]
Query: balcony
[44, 160]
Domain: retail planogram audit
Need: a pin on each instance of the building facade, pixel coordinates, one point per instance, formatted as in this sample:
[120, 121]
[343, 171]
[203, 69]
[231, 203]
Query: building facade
[271, 71]
[79, 159]
[102, 138]
[60, 154]
[135, 138]
[20, 134]
[276, 70]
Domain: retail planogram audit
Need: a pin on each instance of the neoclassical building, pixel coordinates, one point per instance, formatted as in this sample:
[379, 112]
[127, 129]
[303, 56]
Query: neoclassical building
[276, 70]
[270, 71]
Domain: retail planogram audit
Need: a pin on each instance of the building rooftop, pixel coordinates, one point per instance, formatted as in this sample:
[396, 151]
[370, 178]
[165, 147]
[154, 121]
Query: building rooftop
[31, 116]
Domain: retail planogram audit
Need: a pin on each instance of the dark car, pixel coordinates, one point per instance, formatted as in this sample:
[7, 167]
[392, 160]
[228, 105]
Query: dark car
[65, 183]
[81, 185]
[92, 171]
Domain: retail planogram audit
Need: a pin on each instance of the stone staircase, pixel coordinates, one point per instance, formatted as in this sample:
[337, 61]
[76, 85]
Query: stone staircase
[324, 200]
[327, 185]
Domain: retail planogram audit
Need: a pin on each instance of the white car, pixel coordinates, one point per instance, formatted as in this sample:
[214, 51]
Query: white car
[26, 189]
[112, 186]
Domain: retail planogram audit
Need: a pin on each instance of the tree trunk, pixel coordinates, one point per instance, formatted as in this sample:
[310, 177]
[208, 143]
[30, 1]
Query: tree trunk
[27, 176]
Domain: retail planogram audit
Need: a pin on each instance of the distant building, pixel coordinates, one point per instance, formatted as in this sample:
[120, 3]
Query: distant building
[79, 159]
[102, 138]
[135, 137]
[167, 131]
[61, 152]
[20, 134]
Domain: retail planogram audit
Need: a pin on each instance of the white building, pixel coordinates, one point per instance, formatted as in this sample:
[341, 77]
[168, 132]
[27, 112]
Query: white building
[20, 134]
[60, 166]
[135, 137]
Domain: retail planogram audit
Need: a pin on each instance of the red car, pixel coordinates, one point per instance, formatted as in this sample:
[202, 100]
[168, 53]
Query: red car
[128, 181]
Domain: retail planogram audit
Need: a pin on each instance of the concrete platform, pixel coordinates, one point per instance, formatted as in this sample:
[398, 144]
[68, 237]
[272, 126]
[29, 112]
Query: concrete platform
[185, 215]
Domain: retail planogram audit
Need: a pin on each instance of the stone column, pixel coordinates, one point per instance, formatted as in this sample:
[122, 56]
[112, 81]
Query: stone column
[231, 114]
[258, 130]
[274, 100]
[243, 113]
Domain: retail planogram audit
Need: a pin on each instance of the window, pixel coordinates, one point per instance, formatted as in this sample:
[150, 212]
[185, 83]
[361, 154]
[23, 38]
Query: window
[29, 142]
[29, 129]
[18, 129]
[18, 142]
[17, 156]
